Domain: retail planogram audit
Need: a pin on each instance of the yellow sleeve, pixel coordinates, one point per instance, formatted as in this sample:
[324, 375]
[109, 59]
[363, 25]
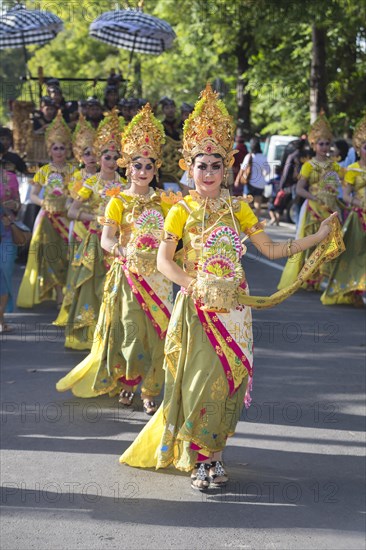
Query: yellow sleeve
[40, 177]
[176, 220]
[114, 210]
[337, 168]
[165, 208]
[84, 193]
[306, 170]
[350, 176]
[247, 219]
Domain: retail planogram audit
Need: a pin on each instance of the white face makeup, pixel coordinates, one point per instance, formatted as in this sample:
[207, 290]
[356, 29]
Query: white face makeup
[322, 147]
[208, 174]
[58, 152]
[142, 171]
[108, 160]
[89, 158]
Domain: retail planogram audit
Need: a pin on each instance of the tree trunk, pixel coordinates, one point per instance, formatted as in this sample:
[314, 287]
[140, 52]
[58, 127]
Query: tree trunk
[243, 97]
[318, 93]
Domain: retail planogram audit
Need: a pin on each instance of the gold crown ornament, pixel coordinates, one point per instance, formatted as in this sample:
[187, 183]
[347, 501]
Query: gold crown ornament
[208, 130]
[143, 137]
[58, 132]
[320, 129]
[109, 133]
[359, 135]
[83, 137]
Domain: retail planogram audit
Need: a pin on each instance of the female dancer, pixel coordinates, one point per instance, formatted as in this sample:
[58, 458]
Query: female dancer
[208, 350]
[89, 266]
[9, 206]
[46, 269]
[347, 282]
[82, 148]
[129, 337]
[318, 183]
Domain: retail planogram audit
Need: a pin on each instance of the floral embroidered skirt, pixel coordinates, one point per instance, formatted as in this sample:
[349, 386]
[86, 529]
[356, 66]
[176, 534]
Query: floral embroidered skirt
[348, 276]
[126, 348]
[199, 410]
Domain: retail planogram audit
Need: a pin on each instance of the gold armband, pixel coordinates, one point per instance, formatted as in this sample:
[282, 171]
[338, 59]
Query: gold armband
[257, 227]
[170, 237]
[106, 221]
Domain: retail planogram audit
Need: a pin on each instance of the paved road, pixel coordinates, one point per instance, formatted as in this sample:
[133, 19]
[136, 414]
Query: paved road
[296, 462]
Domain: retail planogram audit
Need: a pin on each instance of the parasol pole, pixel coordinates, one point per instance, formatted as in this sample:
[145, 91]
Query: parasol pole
[27, 71]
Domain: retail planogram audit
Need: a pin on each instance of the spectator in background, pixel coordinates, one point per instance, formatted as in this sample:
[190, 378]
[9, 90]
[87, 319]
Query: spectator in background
[82, 107]
[69, 109]
[45, 115]
[339, 154]
[9, 207]
[275, 210]
[170, 124]
[12, 162]
[185, 110]
[94, 111]
[242, 149]
[134, 106]
[111, 97]
[124, 108]
[291, 172]
[258, 172]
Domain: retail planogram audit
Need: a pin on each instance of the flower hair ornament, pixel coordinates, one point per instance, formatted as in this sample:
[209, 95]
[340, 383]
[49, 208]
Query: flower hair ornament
[109, 133]
[208, 130]
[143, 137]
[58, 132]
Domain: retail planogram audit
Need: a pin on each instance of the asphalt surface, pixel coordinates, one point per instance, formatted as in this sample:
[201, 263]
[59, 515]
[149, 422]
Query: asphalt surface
[296, 463]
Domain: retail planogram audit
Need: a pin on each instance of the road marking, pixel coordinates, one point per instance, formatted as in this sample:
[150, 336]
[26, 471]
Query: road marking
[264, 261]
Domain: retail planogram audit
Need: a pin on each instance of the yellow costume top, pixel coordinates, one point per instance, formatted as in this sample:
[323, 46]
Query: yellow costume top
[356, 176]
[55, 182]
[98, 192]
[324, 179]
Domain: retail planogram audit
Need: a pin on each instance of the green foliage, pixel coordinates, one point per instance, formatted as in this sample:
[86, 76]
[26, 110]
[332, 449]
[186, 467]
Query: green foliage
[213, 37]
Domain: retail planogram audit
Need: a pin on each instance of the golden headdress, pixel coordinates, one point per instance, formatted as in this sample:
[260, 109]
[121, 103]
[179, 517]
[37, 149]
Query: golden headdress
[58, 132]
[109, 133]
[83, 137]
[320, 129]
[359, 135]
[143, 137]
[208, 130]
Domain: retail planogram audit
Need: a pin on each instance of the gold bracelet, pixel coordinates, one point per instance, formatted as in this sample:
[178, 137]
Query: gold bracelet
[191, 284]
[113, 249]
[289, 245]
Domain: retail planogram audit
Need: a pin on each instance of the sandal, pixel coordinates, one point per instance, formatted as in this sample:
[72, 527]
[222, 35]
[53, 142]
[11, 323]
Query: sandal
[218, 471]
[200, 480]
[150, 407]
[126, 397]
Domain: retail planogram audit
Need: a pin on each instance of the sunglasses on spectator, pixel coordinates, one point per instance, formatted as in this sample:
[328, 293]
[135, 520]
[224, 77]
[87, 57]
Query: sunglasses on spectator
[61, 148]
[109, 157]
[321, 143]
[87, 154]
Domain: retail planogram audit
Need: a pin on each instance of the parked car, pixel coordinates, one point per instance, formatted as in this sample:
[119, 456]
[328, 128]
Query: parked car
[274, 149]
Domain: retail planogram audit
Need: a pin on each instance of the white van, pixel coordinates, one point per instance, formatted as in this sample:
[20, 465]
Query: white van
[274, 148]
